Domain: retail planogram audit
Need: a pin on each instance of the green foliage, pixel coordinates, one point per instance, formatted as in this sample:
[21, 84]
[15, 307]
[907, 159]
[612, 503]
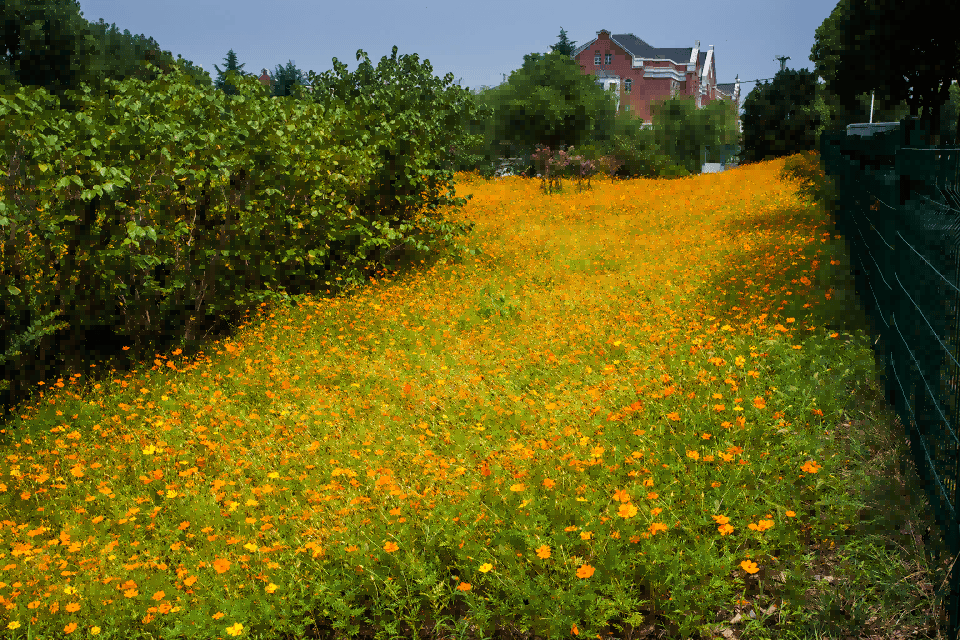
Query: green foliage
[564, 46]
[226, 78]
[782, 117]
[285, 77]
[50, 45]
[900, 50]
[684, 131]
[479, 152]
[550, 102]
[166, 209]
[39, 328]
[411, 121]
[805, 168]
[45, 43]
[121, 55]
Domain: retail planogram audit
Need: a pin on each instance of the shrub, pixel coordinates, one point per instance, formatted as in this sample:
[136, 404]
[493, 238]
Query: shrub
[805, 168]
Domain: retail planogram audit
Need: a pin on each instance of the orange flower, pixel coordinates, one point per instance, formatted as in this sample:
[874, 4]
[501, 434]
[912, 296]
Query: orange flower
[585, 571]
[390, 547]
[627, 511]
[749, 567]
[810, 467]
[464, 586]
[543, 551]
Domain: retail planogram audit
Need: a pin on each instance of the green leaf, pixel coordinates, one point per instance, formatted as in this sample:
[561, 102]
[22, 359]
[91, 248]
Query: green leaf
[12, 289]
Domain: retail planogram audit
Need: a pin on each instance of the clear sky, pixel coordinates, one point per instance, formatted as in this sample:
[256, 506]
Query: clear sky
[478, 42]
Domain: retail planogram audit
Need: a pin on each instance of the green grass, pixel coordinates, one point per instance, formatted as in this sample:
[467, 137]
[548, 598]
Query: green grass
[646, 410]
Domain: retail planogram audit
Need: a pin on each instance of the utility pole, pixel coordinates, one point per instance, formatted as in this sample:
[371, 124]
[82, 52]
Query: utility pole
[782, 60]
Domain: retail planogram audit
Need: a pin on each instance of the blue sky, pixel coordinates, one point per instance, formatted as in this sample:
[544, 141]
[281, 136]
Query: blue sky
[478, 42]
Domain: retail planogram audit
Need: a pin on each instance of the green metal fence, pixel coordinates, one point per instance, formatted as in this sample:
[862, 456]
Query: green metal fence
[899, 212]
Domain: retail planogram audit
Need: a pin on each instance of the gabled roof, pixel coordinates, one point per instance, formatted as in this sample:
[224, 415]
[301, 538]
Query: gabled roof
[640, 49]
[727, 88]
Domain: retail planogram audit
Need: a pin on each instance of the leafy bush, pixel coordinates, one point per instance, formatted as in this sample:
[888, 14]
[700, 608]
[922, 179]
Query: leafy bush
[805, 168]
[166, 205]
[674, 171]
[639, 157]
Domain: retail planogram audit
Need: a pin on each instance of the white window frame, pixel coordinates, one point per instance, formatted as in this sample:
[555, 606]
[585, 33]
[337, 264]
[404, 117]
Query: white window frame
[596, 58]
[608, 58]
[628, 85]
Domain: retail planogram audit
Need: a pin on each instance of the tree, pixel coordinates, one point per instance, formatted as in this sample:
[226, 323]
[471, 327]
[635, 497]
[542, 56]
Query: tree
[29, 31]
[782, 117]
[45, 43]
[284, 79]
[549, 102]
[685, 132]
[898, 49]
[563, 47]
[223, 82]
[122, 55]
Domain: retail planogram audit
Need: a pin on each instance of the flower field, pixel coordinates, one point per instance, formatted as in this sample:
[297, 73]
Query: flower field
[613, 418]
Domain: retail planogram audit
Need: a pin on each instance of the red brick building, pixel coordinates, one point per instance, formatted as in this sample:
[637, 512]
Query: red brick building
[640, 74]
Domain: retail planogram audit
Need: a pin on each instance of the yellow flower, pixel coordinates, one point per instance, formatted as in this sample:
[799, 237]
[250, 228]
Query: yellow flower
[235, 630]
[486, 567]
[149, 450]
[270, 588]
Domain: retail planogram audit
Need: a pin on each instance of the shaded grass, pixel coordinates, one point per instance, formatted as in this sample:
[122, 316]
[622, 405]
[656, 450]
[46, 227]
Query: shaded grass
[645, 411]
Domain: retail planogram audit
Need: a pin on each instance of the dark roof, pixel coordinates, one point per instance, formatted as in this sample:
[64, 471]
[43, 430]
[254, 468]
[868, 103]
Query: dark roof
[728, 88]
[640, 49]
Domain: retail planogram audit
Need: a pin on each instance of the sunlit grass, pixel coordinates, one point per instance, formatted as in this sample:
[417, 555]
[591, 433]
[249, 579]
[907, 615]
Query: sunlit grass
[614, 415]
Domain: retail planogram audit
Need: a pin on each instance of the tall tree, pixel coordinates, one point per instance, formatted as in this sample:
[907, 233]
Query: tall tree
[548, 101]
[782, 117]
[45, 43]
[223, 77]
[284, 79]
[896, 48]
[685, 132]
[564, 46]
[121, 55]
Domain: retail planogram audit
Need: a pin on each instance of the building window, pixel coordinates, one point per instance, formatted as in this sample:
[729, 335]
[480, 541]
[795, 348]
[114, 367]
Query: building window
[608, 58]
[596, 58]
[628, 84]
[627, 107]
